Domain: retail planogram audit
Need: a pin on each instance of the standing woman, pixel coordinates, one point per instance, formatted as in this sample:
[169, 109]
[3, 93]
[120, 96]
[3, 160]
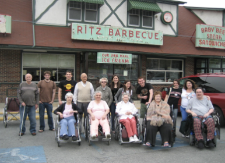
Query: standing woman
[115, 85]
[106, 91]
[126, 89]
[187, 93]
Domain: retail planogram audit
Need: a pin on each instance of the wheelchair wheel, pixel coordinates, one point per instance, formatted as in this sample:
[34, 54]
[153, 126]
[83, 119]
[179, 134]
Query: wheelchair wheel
[5, 119]
[116, 130]
[59, 144]
[108, 142]
[86, 127]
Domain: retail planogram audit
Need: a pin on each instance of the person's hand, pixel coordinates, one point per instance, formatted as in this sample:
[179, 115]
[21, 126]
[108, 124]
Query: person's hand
[36, 106]
[23, 104]
[128, 113]
[206, 115]
[92, 117]
[40, 102]
[61, 116]
[116, 104]
[60, 102]
[147, 103]
[103, 117]
[51, 102]
[194, 114]
[208, 98]
[144, 97]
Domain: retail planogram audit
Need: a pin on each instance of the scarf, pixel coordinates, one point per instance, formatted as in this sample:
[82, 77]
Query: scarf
[158, 114]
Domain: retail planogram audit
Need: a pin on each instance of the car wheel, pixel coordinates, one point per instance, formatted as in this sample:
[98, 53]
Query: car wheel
[221, 117]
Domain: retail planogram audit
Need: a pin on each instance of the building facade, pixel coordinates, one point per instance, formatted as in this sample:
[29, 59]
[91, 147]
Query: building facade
[131, 38]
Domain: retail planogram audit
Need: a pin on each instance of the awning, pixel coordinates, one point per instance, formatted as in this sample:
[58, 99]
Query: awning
[101, 2]
[150, 6]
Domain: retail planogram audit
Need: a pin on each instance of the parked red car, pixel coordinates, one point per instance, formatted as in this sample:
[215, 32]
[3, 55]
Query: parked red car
[213, 86]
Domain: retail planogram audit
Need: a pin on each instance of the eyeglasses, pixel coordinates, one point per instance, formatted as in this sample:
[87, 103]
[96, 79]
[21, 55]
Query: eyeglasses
[104, 82]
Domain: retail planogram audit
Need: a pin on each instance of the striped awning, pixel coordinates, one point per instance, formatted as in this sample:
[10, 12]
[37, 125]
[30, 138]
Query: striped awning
[101, 2]
[149, 6]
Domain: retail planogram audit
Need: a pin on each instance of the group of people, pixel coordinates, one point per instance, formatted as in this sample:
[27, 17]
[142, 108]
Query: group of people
[114, 98]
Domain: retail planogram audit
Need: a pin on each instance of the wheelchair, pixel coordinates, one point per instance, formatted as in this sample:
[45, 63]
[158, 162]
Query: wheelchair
[121, 132]
[57, 127]
[101, 134]
[173, 134]
[12, 107]
[192, 139]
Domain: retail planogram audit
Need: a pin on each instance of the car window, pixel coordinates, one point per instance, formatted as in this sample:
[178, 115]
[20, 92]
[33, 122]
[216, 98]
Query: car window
[215, 85]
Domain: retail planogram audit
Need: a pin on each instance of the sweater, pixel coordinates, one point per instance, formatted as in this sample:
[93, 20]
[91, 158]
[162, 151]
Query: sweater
[106, 94]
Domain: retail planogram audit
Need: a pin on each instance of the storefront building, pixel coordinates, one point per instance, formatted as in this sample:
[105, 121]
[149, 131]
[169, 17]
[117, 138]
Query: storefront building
[131, 38]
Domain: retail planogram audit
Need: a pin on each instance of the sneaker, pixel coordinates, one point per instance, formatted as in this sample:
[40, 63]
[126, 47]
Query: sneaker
[108, 136]
[135, 138]
[93, 136]
[131, 139]
[21, 134]
[210, 144]
[201, 144]
[187, 136]
[183, 136]
[65, 137]
[74, 138]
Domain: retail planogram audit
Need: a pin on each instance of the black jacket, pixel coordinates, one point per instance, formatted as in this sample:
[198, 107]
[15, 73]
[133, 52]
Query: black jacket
[61, 109]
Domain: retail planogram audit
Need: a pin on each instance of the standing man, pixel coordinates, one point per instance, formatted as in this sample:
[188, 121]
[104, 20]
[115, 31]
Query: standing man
[145, 93]
[46, 90]
[66, 86]
[83, 95]
[29, 98]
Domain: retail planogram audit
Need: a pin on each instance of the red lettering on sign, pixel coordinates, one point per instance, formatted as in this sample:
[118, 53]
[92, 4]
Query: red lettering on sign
[150, 37]
[131, 33]
[143, 34]
[117, 32]
[91, 29]
[126, 60]
[137, 34]
[110, 32]
[79, 28]
[156, 34]
[99, 29]
[124, 33]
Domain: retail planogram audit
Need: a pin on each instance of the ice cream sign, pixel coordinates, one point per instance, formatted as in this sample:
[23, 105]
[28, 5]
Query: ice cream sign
[5, 24]
[116, 34]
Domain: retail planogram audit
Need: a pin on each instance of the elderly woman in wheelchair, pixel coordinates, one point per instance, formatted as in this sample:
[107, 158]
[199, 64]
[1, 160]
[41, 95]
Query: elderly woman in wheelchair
[158, 119]
[201, 109]
[67, 114]
[125, 112]
[98, 110]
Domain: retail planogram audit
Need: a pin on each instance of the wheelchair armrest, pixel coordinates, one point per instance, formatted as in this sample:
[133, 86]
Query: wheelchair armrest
[57, 119]
[136, 115]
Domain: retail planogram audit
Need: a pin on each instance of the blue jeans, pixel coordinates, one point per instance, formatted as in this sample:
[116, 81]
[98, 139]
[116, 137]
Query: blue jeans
[48, 107]
[69, 121]
[184, 114]
[113, 110]
[30, 111]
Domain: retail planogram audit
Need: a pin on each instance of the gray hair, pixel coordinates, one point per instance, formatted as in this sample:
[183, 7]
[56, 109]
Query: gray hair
[96, 92]
[103, 79]
[83, 74]
[126, 94]
[69, 94]
[28, 74]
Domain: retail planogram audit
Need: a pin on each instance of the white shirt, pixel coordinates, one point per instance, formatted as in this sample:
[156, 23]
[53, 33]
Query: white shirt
[76, 91]
[185, 97]
[123, 107]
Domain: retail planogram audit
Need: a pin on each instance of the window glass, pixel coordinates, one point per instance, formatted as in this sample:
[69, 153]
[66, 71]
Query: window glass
[53, 73]
[155, 76]
[176, 65]
[152, 64]
[215, 85]
[92, 56]
[75, 9]
[147, 19]
[48, 60]
[165, 65]
[214, 63]
[134, 17]
[200, 71]
[31, 60]
[66, 61]
[170, 76]
[35, 72]
[91, 12]
[223, 63]
[200, 63]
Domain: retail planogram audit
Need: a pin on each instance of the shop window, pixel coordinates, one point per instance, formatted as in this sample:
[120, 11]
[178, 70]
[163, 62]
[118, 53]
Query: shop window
[77, 9]
[140, 18]
[201, 65]
[36, 64]
[163, 70]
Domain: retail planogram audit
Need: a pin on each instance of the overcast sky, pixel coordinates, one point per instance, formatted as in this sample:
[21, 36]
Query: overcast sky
[205, 3]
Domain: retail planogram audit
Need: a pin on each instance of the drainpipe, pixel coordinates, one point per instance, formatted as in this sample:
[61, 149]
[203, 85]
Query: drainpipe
[33, 21]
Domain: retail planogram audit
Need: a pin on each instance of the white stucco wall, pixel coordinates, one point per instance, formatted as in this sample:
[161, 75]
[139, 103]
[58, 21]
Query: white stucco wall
[166, 28]
[112, 20]
[56, 15]
[210, 17]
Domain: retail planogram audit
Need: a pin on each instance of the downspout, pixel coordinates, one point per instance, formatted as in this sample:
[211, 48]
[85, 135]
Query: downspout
[33, 21]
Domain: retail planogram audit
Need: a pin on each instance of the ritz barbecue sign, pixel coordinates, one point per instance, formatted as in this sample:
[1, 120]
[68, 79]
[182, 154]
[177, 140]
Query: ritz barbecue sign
[210, 36]
[116, 34]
